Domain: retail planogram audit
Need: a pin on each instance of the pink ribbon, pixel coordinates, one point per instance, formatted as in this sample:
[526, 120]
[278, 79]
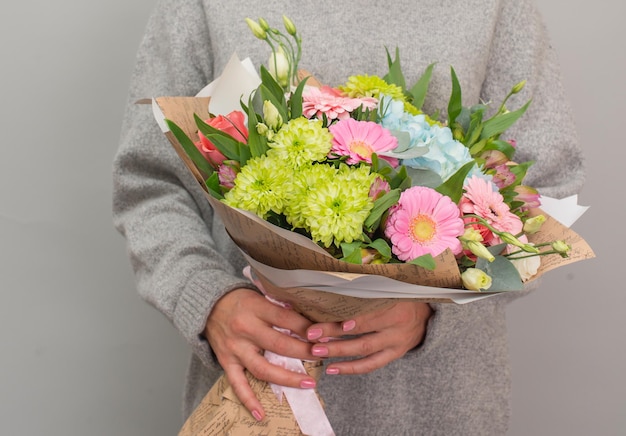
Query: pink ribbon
[304, 403]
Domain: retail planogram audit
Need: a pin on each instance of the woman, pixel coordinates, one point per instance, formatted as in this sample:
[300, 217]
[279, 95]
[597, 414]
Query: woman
[419, 368]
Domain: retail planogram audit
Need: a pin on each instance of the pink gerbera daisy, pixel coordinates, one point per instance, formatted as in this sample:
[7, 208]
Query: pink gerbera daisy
[483, 199]
[317, 102]
[359, 139]
[423, 222]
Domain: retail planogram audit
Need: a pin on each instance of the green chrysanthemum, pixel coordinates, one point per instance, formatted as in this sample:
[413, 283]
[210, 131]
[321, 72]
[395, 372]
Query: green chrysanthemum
[371, 86]
[374, 86]
[260, 187]
[300, 142]
[305, 179]
[337, 207]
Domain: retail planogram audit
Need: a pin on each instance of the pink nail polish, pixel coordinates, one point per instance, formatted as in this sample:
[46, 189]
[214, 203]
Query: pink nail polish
[314, 334]
[332, 371]
[257, 415]
[324, 340]
[307, 384]
[319, 351]
[348, 325]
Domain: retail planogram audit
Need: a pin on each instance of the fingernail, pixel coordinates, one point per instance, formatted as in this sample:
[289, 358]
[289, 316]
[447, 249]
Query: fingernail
[314, 334]
[257, 415]
[319, 351]
[326, 339]
[348, 325]
[332, 371]
[307, 384]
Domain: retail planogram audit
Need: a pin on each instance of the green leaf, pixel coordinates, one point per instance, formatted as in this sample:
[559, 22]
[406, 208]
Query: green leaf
[352, 252]
[478, 147]
[279, 103]
[213, 186]
[500, 123]
[256, 143]
[455, 104]
[382, 247]
[190, 148]
[426, 261]
[400, 179]
[225, 143]
[295, 102]
[395, 75]
[453, 187]
[420, 89]
[502, 146]
[274, 88]
[380, 207]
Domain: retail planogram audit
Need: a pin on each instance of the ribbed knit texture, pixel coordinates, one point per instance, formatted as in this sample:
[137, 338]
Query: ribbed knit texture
[458, 381]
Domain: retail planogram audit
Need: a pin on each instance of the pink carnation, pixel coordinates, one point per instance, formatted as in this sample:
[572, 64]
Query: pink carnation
[359, 139]
[423, 222]
[317, 102]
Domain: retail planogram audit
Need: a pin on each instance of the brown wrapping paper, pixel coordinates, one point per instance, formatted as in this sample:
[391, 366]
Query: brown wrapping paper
[220, 412]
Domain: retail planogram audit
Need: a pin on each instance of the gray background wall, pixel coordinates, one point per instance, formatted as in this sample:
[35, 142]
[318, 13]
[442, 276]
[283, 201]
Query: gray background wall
[80, 354]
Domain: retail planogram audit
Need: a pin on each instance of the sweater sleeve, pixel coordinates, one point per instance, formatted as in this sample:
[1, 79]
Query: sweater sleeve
[178, 250]
[545, 134]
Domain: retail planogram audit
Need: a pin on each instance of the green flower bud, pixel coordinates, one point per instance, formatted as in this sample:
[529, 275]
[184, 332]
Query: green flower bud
[471, 234]
[512, 240]
[256, 28]
[561, 247]
[279, 67]
[480, 250]
[264, 25]
[262, 129]
[517, 88]
[272, 118]
[475, 279]
[532, 225]
[289, 26]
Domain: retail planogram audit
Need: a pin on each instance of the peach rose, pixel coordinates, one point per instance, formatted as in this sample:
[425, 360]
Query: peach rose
[233, 124]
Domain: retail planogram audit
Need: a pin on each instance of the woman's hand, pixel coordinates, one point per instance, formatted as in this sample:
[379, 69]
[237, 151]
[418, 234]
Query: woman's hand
[240, 328]
[383, 336]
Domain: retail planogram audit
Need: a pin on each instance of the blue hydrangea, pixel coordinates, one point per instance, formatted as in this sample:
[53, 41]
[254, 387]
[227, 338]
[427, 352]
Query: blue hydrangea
[445, 155]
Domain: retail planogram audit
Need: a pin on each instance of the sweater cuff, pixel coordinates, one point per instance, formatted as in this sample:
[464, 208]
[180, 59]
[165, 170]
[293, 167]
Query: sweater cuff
[195, 305]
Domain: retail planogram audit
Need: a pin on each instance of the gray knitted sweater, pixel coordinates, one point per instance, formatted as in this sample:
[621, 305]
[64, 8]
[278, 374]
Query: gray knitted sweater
[457, 382]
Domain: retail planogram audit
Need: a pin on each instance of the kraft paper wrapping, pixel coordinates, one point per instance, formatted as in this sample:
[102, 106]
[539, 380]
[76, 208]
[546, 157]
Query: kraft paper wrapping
[280, 250]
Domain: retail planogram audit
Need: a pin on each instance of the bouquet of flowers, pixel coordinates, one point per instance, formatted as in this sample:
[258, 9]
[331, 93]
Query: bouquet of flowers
[354, 189]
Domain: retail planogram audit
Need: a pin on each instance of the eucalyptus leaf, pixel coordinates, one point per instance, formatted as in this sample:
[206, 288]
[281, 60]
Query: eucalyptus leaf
[411, 153]
[424, 177]
[504, 275]
[404, 140]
